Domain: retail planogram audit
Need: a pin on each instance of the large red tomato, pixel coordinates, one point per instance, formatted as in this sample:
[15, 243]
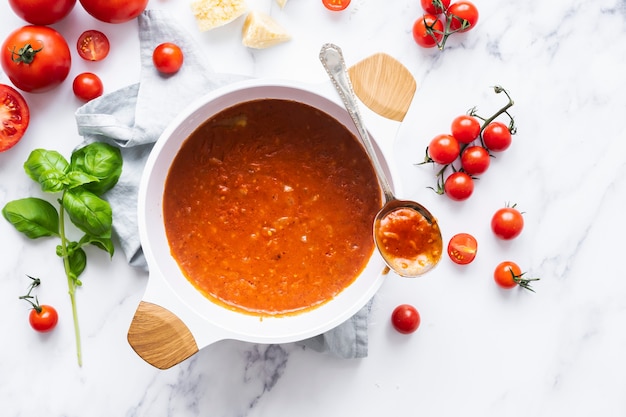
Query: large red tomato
[114, 11]
[36, 58]
[42, 12]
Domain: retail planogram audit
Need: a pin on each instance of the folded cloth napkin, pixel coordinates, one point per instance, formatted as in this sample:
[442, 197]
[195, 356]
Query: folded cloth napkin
[133, 118]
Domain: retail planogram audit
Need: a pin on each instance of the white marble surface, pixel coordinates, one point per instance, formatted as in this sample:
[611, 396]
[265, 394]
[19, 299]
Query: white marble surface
[480, 351]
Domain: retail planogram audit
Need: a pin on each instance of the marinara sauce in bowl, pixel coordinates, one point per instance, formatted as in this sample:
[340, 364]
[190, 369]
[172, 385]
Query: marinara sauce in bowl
[255, 215]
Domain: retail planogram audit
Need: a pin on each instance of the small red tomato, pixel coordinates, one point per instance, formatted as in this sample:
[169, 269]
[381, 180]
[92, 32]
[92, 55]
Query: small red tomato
[44, 318]
[507, 223]
[462, 248]
[459, 186]
[14, 117]
[336, 5]
[463, 16]
[167, 58]
[475, 160]
[93, 45]
[428, 31]
[405, 318]
[435, 6]
[497, 137]
[509, 275]
[443, 149]
[87, 86]
[465, 128]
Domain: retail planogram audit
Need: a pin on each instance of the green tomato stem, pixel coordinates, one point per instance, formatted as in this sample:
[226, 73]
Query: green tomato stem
[71, 283]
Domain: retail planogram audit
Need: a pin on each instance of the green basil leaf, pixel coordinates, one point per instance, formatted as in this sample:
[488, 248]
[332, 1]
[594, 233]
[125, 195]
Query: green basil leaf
[88, 212]
[100, 160]
[106, 244]
[42, 160]
[78, 262]
[52, 181]
[75, 179]
[32, 216]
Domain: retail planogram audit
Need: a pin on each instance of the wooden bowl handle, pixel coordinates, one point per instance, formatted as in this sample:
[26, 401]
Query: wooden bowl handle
[159, 337]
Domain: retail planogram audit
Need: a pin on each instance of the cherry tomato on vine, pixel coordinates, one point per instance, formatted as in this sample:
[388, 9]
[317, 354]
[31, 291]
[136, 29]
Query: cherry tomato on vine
[336, 5]
[459, 186]
[507, 223]
[405, 318]
[465, 128]
[509, 275]
[167, 58]
[87, 86]
[93, 45]
[432, 7]
[462, 12]
[497, 137]
[44, 318]
[36, 58]
[114, 11]
[443, 149]
[462, 248]
[475, 160]
[14, 117]
[42, 12]
[428, 31]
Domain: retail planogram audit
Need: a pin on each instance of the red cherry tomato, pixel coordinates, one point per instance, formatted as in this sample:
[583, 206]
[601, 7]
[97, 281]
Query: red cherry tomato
[427, 31]
[42, 12]
[114, 11]
[497, 137]
[405, 318]
[167, 58]
[36, 58]
[14, 117]
[463, 16]
[87, 86]
[462, 248]
[459, 186]
[435, 6]
[443, 149]
[93, 45]
[465, 128]
[475, 160]
[336, 5]
[505, 273]
[43, 320]
[507, 223]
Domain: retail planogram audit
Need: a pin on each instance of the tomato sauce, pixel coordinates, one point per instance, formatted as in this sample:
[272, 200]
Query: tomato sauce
[269, 206]
[408, 241]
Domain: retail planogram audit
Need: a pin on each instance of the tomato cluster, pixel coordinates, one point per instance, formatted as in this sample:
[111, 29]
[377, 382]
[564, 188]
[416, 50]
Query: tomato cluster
[472, 141]
[441, 20]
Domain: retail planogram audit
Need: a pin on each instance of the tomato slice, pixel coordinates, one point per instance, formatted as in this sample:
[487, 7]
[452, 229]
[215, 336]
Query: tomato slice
[93, 45]
[336, 5]
[462, 248]
[14, 117]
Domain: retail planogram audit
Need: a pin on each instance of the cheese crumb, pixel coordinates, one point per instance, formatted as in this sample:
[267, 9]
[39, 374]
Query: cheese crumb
[261, 31]
[210, 14]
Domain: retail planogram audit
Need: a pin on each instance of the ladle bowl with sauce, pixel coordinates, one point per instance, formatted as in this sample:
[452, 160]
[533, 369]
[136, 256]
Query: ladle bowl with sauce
[405, 232]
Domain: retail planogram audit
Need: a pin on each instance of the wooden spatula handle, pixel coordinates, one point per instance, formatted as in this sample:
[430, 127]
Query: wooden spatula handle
[159, 337]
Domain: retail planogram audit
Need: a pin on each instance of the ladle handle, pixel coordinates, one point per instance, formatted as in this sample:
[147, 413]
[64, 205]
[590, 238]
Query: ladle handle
[332, 60]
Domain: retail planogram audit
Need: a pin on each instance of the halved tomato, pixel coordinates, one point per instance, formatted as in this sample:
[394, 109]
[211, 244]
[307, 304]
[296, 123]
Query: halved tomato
[462, 248]
[14, 117]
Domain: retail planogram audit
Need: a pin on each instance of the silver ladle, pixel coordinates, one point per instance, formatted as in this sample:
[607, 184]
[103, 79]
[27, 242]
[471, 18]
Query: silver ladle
[420, 225]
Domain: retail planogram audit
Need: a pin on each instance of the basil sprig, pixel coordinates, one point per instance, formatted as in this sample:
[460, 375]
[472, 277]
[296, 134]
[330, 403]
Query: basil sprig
[92, 170]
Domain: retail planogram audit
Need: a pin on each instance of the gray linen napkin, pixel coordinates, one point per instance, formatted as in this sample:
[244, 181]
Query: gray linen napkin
[133, 118]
